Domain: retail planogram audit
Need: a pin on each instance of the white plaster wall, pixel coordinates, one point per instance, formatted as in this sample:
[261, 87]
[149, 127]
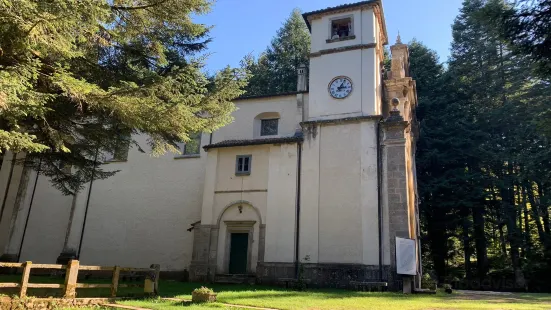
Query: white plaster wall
[242, 126]
[47, 224]
[270, 189]
[339, 209]
[223, 200]
[368, 192]
[257, 180]
[140, 216]
[340, 221]
[309, 197]
[363, 27]
[360, 65]
[281, 204]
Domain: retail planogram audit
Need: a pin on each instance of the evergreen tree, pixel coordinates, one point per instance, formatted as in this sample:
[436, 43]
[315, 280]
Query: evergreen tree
[78, 77]
[275, 70]
[525, 26]
[483, 165]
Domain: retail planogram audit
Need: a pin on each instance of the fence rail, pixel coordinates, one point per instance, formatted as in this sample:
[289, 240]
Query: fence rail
[150, 285]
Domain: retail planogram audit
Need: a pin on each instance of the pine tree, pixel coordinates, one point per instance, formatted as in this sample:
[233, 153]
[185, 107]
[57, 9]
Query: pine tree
[275, 70]
[77, 78]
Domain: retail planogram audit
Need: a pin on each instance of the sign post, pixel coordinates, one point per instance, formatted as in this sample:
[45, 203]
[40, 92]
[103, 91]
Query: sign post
[406, 262]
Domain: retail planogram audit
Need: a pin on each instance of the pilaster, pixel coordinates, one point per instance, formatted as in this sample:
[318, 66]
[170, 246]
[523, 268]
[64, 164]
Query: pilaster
[396, 189]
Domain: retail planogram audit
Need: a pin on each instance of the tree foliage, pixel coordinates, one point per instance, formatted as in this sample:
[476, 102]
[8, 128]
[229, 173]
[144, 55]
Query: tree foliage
[483, 164]
[275, 70]
[525, 26]
[79, 77]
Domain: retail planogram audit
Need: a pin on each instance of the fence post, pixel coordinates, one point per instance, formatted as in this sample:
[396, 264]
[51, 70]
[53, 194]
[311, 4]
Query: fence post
[150, 281]
[157, 268]
[115, 282]
[25, 279]
[71, 278]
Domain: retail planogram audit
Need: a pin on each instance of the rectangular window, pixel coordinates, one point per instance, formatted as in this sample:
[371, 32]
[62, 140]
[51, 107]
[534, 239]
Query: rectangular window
[341, 28]
[268, 127]
[190, 148]
[243, 164]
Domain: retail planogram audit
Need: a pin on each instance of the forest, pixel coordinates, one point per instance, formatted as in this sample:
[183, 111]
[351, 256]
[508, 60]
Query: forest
[483, 154]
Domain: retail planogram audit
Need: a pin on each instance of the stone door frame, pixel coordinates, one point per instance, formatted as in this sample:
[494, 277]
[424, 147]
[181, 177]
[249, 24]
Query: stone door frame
[238, 227]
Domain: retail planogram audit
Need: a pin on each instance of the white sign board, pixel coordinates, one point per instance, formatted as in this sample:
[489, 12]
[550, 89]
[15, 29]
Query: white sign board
[405, 256]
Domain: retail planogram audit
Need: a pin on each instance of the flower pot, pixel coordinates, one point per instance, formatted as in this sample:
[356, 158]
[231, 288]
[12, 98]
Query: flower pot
[203, 297]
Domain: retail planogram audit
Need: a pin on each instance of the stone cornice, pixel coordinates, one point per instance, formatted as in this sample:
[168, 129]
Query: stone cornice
[396, 124]
[342, 120]
[343, 49]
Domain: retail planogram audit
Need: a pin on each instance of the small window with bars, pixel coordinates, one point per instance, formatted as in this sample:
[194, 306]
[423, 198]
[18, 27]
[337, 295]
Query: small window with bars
[243, 164]
[341, 28]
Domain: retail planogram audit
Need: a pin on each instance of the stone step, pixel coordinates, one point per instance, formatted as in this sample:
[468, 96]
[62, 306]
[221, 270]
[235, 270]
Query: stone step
[235, 278]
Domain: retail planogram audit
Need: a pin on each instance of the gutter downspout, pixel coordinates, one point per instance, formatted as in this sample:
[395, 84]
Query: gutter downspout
[297, 229]
[379, 203]
[87, 204]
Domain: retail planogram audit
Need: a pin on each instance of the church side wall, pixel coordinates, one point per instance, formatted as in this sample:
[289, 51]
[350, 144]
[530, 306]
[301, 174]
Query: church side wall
[47, 226]
[140, 216]
[243, 126]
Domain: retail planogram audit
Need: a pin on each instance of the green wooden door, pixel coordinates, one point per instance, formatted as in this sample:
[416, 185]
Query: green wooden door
[238, 253]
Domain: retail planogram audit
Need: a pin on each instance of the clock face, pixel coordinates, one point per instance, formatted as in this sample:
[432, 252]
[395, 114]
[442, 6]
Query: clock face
[340, 87]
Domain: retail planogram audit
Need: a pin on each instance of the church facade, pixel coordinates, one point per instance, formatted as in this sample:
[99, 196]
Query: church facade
[319, 182]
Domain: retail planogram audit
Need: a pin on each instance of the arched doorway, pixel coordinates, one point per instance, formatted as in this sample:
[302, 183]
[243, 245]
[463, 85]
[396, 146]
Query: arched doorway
[239, 238]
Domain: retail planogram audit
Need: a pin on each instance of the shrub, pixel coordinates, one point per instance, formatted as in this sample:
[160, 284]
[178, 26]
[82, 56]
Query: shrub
[203, 290]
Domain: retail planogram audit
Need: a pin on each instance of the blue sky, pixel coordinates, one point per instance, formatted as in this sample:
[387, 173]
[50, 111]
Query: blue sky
[247, 26]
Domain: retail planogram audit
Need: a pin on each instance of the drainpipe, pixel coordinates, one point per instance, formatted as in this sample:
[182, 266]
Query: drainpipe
[379, 203]
[297, 229]
[87, 204]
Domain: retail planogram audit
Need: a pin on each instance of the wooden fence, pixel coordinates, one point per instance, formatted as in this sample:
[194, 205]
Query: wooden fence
[150, 285]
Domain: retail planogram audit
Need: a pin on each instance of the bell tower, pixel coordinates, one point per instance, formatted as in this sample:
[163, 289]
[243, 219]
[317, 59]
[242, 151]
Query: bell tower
[345, 57]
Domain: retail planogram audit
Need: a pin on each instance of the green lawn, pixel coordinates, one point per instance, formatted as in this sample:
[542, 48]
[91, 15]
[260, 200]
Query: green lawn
[271, 297]
[341, 299]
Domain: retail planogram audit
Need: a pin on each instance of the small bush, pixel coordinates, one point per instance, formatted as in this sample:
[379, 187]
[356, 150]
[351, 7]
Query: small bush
[427, 282]
[203, 290]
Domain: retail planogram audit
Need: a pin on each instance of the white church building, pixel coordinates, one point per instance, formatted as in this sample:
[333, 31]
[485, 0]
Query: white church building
[320, 180]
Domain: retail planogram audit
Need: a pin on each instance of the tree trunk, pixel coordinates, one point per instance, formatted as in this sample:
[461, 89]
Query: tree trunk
[436, 231]
[466, 241]
[507, 195]
[480, 242]
[544, 238]
[502, 241]
[527, 239]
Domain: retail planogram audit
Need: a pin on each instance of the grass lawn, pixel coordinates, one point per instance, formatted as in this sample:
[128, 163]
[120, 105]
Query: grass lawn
[340, 299]
[271, 297]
